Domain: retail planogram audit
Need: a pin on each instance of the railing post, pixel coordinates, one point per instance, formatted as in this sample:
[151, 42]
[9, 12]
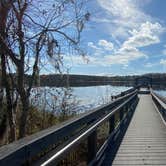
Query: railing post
[164, 114]
[128, 108]
[122, 112]
[92, 146]
[111, 124]
[162, 111]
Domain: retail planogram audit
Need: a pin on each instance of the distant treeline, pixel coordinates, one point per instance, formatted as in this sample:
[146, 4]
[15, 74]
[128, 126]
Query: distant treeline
[58, 80]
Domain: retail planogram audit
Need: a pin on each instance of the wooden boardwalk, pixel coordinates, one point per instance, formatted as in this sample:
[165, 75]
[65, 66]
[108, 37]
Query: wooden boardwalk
[145, 140]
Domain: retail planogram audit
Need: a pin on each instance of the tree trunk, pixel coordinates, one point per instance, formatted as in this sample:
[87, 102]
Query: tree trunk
[9, 102]
[11, 119]
[5, 81]
[23, 118]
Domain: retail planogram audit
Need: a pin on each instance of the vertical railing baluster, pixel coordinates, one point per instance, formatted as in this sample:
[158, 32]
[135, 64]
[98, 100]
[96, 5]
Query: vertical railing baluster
[92, 146]
[128, 108]
[121, 113]
[111, 124]
[162, 110]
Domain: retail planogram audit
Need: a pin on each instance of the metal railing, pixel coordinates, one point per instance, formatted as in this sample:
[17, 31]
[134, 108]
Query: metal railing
[124, 93]
[160, 103]
[53, 145]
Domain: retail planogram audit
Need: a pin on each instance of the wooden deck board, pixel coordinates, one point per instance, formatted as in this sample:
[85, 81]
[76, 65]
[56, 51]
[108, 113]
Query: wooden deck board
[145, 140]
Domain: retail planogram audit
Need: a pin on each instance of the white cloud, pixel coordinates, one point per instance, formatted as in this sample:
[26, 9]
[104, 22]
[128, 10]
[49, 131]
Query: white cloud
[163, 62]
[149, 64]
[147, 34]
[121, 8]
[123, 15]
[102, 44]
[124, 20]
[92, 45]
[106, 45]
[124, 55]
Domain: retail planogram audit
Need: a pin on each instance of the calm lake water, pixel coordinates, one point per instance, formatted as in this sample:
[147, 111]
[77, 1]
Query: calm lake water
[161, 92]
[80, 98]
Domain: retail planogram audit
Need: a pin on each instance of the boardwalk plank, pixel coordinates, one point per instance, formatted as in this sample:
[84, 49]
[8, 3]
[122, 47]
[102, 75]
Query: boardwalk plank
[145, 140]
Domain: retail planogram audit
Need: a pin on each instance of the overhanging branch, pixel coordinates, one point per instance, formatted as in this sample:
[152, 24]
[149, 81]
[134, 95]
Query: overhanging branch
[9, 52]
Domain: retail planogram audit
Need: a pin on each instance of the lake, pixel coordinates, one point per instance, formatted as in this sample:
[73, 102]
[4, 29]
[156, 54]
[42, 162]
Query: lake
[161, 92]
[78, 98]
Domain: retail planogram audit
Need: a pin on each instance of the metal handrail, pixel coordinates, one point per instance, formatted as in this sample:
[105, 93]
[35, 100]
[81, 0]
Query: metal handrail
[160, 104]
[26, 148]
[159, 99]
[84, 135]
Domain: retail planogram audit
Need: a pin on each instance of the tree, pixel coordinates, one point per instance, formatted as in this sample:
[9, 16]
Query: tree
[10, 103]
[32, 30]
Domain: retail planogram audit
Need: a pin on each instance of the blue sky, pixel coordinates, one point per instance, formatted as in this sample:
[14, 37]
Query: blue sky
[123, 37]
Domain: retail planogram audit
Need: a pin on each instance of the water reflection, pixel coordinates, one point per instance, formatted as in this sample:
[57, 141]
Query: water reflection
[161, 92]
[90, 97]
[80, 98]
